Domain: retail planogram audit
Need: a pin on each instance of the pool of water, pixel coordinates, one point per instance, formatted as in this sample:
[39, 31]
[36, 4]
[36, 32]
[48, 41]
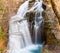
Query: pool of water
[29, 49]
[38, 49]
[34, 49]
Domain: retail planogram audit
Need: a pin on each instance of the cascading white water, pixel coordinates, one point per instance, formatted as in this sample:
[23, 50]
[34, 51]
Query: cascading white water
[38, 23]
[22, 12]
[19, 35]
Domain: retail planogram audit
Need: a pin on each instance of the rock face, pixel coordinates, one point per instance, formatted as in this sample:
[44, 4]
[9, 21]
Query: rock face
[56, 8]
[51, 21]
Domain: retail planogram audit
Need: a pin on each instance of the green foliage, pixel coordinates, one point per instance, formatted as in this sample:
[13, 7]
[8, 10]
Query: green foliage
[3, 9]
[1, 50]
[2, 36]
[1, 31]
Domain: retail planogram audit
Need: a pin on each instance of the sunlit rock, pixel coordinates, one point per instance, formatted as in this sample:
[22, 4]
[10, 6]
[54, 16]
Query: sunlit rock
[56, 8]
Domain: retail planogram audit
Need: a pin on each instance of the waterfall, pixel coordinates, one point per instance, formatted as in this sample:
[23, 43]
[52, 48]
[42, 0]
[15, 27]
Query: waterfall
[37, 8]
[38, 19]
[19, 35]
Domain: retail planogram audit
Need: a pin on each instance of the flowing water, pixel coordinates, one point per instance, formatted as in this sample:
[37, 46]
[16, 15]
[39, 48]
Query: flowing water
[19, 35]
[38, 19]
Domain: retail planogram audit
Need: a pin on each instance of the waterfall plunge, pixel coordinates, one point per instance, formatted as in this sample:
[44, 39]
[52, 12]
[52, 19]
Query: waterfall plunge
[19, 36]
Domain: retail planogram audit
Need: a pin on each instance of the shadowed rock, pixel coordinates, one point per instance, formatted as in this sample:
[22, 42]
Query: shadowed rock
[51, 24]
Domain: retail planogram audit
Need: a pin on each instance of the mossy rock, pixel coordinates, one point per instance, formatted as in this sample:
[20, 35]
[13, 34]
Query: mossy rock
[1, 50]
[2, 35]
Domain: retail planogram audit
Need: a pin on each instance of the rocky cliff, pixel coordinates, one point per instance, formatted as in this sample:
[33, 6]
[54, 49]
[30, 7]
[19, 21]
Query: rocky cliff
[51, 16]
[51, 21]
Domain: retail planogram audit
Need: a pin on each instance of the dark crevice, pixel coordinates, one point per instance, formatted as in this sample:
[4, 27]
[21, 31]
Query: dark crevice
[44, 6]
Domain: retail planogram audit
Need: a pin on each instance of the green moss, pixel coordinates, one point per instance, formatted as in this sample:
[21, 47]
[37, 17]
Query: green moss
[2, 36]
[1, 50]
[1, 31]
